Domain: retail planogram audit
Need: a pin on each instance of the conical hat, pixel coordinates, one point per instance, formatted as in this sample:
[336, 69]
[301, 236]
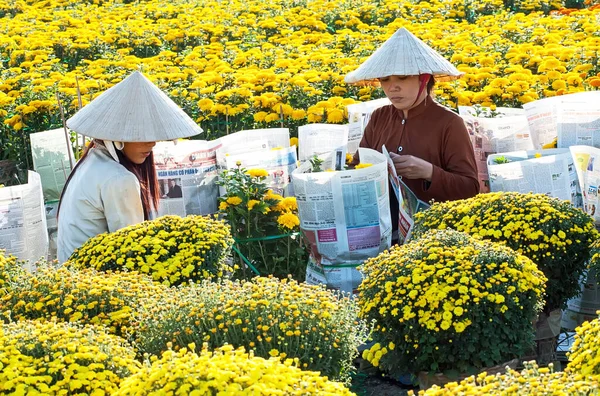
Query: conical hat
[403, 54]
[134, 110]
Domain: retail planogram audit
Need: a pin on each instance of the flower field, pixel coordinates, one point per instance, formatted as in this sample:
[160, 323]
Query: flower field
[235, 65]
[461, 297]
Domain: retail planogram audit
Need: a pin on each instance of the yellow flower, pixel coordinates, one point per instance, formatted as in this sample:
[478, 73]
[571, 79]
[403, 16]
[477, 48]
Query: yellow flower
[335, 116]
[234, 201]
[252, 203]
[288, 220]
[223, 205]
[257, 173]
[294, 141]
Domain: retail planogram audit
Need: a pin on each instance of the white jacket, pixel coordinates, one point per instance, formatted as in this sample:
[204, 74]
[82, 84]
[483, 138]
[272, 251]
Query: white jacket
[102, 196]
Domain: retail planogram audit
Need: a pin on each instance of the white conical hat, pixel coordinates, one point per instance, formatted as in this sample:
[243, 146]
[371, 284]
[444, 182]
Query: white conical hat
[134, 110]
[404, 54]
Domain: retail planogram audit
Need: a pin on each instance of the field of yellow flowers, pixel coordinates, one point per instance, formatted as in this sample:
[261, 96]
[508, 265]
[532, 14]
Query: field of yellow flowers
[243, 64]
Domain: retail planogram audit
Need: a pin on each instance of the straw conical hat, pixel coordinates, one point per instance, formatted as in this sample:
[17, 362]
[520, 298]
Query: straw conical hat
[134, 110]
[403, 54]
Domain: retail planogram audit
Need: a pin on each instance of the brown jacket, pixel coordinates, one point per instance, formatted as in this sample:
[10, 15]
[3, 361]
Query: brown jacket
[435, 134]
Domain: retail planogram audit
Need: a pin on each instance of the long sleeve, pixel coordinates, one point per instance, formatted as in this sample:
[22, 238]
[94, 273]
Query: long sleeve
[122, 202]
[459, 178]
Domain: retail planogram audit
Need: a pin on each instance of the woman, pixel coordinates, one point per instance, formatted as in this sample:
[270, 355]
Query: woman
[429, 144]
[114, 184]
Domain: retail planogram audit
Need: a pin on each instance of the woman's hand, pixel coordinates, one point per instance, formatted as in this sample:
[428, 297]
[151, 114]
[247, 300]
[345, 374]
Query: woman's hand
[412, 167]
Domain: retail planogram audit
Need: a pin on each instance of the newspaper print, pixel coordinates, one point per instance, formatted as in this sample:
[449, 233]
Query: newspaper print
[486, 112]
[496, 135]
[23, 230]
[345, 278]
[51, 156]
[278, 162]
[482, 148]
[543, 116]
[578, 121]
[552, 172]
[345, 215]
[359, 115]
[251, 140]
[187, 175]
[318, 139]
[587, 164]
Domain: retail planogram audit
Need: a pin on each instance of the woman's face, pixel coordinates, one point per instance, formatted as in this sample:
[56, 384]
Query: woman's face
[138, 152]
[402, 91]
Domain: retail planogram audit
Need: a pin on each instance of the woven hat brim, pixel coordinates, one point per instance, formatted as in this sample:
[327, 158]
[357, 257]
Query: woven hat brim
[134, 110]
[403, 54]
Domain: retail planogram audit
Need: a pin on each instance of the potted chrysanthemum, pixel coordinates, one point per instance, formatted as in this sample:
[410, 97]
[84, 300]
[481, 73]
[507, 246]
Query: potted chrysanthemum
[264, 224]
[449, 305]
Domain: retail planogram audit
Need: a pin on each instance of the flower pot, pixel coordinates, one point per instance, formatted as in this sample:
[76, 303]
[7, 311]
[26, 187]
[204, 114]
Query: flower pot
[427, 380]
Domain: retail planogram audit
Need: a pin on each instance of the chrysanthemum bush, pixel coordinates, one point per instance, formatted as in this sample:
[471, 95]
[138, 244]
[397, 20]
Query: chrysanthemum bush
[594, 263]
[272, 317]
[9, 269]
[584, 356]
[551, 232]
[532, 380]
[449, 303]
[72, 295]
[264, 224]
[227, 371]
[62, 358]
[171, 249]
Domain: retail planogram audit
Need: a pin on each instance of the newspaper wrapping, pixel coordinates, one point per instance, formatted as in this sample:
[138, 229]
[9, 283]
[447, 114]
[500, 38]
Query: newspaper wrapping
[544, 116]
[23, 230]
[587, 165]
[578, 121]
[318, 139]
[541, 116]
[408, 203]
[359, 115]
[187, 175]
[550, 172]
[249, 141]
[279, 163]
[486, 112]
[51, 160]
[508, 132]
[345, 218]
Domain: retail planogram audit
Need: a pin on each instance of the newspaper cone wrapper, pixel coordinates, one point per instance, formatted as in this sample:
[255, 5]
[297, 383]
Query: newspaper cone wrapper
[345, 215]
[23, 231]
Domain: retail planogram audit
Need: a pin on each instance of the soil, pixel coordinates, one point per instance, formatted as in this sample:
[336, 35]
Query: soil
[369, 381]
[378, 386]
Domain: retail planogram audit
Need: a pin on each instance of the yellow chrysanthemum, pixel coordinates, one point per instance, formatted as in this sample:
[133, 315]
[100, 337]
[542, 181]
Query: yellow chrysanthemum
[252, 203]
[363, 165]
[257, 172]
[234, 201]
[289, 220]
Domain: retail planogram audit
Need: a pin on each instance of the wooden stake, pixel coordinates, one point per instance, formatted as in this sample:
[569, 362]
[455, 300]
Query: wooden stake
[281, 114]
[79, 107]
[227, 120]
[64, 122]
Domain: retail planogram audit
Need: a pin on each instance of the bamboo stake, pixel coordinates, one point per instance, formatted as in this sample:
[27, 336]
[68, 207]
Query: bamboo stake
[79, 107]
[64, 122]
[281, 114]
[227, 120]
